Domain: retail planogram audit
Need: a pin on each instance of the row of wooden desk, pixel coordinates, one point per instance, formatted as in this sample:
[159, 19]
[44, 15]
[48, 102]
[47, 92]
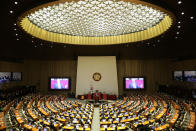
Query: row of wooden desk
[192, 114]
[29, 110]
[49, 107]
[120, 105]
[161, 114]
[7, 107]
[176, 114]
[2, 121]
[18, 117]
[35, 117]
[153, 107]
[41, 109]
[129, 119]
[17, 113]
[131, 108]
[192, 121]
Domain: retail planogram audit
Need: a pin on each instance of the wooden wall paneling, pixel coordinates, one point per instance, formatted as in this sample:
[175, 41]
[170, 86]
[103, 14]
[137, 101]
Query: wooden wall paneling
[37, 72]
[155, 71]
[57, 69]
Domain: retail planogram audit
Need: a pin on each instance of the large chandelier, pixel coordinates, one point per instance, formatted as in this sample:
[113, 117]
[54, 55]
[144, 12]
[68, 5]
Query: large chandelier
[96, 22]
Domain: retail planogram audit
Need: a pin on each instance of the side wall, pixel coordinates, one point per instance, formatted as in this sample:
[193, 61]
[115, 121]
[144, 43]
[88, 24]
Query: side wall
[36, 72]
[155, 71]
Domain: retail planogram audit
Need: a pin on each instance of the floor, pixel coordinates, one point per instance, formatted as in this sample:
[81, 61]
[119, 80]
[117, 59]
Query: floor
[95, 123]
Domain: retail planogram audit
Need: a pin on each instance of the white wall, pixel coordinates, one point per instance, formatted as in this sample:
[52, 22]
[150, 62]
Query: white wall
[88, 65]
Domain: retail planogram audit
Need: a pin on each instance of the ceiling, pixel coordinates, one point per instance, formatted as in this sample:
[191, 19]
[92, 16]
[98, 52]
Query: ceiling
[168, 45]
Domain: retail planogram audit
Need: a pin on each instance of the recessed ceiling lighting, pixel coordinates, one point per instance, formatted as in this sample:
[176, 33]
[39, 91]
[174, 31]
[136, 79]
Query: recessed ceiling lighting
[91, 18]
[182, 13]
[191, 17]
[17, 39]
[179, 2]
[15, 29]
[177, 33]
[96, 23]
[15, 2]
[179, 26]
[176, 37]
[16, 34]
[14, 23]
[179, 22]
[11, 11]
[35, 46]
[32, 41]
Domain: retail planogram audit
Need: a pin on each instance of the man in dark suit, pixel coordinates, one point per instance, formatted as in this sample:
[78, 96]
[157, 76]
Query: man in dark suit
[96, 96]
[133, 84]
[58, 85]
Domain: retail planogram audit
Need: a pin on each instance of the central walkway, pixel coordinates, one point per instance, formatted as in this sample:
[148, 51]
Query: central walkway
[96, 121]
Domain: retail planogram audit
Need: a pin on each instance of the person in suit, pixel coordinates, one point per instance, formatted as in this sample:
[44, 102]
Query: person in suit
[133, 84]
[58, 85]
[96, 96]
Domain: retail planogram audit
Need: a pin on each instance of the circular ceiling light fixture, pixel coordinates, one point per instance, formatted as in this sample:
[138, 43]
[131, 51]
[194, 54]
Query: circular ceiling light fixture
[96, 22]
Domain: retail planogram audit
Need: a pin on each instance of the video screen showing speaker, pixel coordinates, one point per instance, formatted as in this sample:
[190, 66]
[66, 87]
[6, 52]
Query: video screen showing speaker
[60, 83]
[16, 76]
[178, 75]
[190, 76]
[134, 83]
[5, 77]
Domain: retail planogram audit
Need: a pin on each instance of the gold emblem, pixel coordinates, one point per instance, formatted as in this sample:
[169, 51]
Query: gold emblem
[97, 76]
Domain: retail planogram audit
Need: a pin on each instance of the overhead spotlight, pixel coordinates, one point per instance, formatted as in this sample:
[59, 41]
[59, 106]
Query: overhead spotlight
[16, 34]
[11, 11]
[176, 37]
[32, 41]
[15, 29]
[177, 33]
[14, 23]
[15, 2]
[179, 2]
[35, 46]
[179, 26]
[179, 22]
[182, 13]
[17, 39]
[191, 17]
